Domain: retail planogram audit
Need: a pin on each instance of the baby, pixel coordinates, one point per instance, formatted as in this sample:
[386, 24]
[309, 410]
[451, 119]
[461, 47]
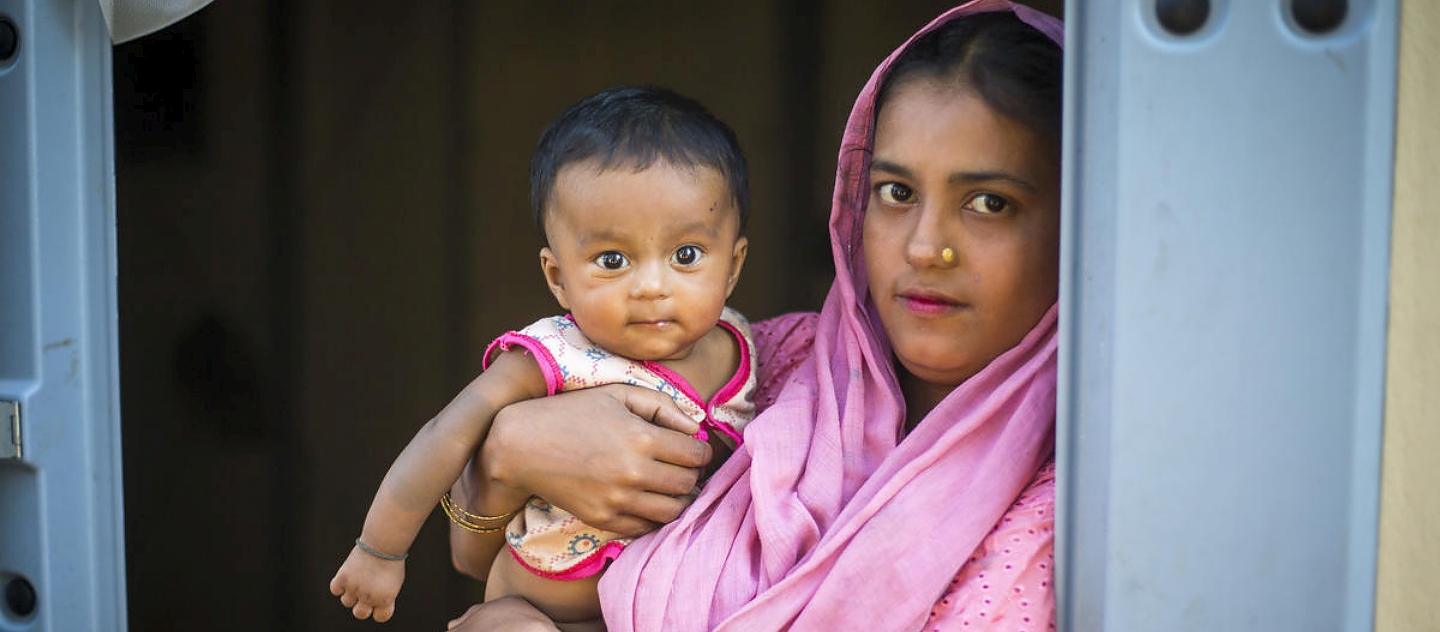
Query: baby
[642, 196]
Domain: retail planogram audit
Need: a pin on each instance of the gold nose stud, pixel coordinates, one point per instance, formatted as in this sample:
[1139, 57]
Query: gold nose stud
[947, 254]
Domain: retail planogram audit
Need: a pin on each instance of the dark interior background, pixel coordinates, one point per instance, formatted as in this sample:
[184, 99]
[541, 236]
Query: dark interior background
[323, 219]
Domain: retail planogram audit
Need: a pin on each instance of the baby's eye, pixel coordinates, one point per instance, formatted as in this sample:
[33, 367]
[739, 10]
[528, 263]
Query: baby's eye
[895, 193]
[988, 204]
[611, 260]
[688, 255]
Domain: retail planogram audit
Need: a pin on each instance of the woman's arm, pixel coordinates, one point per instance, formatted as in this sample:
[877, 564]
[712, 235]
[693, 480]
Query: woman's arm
[619, 457]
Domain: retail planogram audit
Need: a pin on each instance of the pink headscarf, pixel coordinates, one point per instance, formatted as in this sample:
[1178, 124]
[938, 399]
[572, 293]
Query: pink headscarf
[825, 519]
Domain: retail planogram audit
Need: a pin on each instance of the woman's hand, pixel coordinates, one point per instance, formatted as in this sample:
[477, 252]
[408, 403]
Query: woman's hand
[619, 457]
[506, 613]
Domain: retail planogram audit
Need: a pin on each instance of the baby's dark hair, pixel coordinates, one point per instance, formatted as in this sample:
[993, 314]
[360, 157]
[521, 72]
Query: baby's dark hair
[1015, 68]
[635, 127]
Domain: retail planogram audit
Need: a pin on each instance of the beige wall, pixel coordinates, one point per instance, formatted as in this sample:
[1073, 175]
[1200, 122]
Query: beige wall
[1409, 565]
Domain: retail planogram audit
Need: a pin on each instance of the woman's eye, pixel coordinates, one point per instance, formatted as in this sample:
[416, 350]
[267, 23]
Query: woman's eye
[687, 255]
[611, 260]
[989, 204]
[895, 193]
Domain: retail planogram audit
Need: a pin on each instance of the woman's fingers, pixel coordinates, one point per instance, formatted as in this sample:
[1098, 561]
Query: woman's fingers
[660, 508]
[656, 407]
[669, 439]
[629, 526]
[457, 621]
[645, 513]
[509, 613]
[660, 477]
[462, 618]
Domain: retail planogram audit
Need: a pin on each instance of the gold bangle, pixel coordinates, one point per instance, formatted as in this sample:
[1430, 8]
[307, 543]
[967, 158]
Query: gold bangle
[505, 517]
[465, 519]
[461, 522]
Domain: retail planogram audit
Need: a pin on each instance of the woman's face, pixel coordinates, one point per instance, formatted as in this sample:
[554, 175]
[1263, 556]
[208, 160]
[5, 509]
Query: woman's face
[950, 172]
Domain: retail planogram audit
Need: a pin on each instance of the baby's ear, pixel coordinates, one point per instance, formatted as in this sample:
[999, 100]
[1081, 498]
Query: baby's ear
[737, 261]
[550, 266]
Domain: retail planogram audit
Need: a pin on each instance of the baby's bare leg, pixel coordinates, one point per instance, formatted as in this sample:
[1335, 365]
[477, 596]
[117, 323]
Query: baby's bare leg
[564, 602]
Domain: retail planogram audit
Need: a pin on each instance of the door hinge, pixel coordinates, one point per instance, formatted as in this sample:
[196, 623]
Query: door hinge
[10, 445]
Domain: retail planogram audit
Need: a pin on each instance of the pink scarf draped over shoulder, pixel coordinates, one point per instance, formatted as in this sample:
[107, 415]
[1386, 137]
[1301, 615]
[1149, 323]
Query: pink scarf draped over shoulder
[824, 519]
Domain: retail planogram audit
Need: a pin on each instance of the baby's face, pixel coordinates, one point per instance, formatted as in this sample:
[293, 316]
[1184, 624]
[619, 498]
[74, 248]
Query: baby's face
[643, 260]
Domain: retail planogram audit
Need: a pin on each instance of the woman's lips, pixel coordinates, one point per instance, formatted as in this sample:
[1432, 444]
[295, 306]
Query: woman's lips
[922, 304]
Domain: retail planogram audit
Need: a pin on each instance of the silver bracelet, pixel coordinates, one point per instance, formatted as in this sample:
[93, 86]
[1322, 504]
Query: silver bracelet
[384, 556]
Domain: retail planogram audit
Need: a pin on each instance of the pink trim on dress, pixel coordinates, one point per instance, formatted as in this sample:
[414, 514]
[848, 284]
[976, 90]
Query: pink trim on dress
[680, 383]
[686, 389]
[737, 382]
[554, 378]
[588, 566]
[733, 387]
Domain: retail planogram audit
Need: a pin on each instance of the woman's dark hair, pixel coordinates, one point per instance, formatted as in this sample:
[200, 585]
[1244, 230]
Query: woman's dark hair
[1015, 68]
[635, 127]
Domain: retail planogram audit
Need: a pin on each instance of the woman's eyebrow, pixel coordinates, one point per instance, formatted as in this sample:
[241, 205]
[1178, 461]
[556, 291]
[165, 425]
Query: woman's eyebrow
[958, 177]
[880, 164]
[970, 177]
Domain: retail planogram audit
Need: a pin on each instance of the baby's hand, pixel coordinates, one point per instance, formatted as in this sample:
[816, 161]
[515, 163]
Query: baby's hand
[367, 585]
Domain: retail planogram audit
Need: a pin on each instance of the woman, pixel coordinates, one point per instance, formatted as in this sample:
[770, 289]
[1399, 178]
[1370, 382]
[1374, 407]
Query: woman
[903, 476]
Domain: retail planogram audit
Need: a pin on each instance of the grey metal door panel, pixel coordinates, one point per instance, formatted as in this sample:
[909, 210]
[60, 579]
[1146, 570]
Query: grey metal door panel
[61, 553]
[1228, 205]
